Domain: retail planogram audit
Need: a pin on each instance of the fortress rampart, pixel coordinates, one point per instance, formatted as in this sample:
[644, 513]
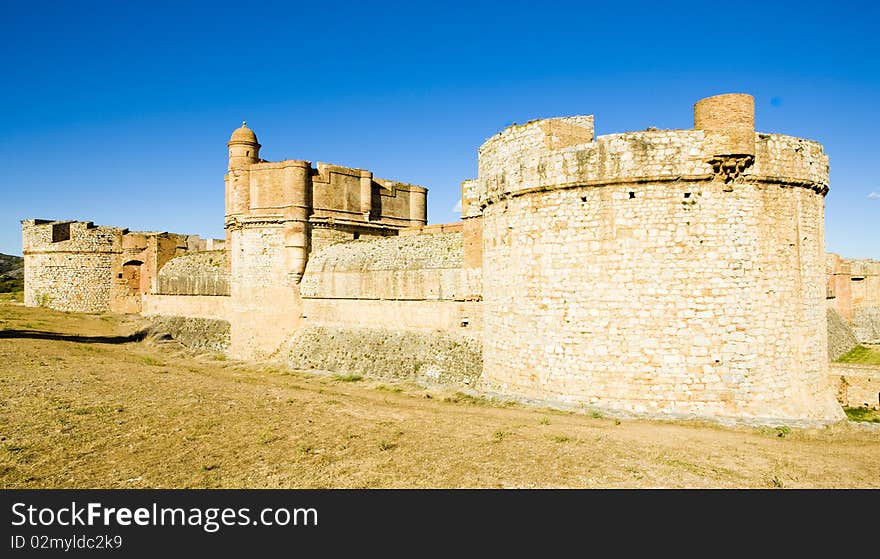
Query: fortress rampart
[674, 273]
[80, 266]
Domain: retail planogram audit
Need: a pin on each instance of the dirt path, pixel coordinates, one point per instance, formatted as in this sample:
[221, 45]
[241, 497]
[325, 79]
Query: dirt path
[83, 406]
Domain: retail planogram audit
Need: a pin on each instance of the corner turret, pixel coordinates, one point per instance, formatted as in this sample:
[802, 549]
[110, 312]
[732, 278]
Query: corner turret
[244, 149]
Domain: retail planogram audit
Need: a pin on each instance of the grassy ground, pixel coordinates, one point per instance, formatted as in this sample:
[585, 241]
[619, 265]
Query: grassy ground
[863, 414]
[81, 405]
[12, 297]
[861, 355]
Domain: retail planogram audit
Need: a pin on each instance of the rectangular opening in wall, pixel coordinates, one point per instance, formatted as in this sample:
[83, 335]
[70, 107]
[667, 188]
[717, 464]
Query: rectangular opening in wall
[60, 232]
[855, 278]
[687, 194]
[632, 195]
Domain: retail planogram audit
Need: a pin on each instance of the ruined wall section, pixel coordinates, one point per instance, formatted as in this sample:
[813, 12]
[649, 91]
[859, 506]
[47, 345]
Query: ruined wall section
[857, 385]
[676, 272]
[854, 290]
[69, 265]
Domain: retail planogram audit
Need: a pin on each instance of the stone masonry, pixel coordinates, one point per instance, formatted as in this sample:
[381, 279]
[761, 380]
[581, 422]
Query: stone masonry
[80, 266]
[674, 272]
[671, 273]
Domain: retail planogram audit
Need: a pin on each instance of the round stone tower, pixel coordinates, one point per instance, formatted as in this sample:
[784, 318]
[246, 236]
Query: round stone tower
[665, 272]
[243, 147]
[244, 151]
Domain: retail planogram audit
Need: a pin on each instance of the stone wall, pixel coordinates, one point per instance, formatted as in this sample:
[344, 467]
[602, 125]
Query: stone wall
[192, 306]
[69, 266]
[841, 338]
[657, 272]
[424, 357]
[854, 290]
[199, 273]
[464, 317]
[410, 267]
[278, 214]
[201, 334]
[78, 266]
[857, 385]
[265, 306]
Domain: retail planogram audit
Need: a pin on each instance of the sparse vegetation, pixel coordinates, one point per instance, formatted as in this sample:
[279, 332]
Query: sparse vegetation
[348, 378]
[80, 413]
[861, 355]
[12, 297]
[394, 389]
[866, 415]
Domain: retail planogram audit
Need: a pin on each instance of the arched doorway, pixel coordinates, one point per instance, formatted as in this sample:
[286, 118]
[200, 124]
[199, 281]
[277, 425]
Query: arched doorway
[131, 276]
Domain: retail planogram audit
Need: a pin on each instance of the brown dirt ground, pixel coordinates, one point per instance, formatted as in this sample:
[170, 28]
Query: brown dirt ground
[82, 407]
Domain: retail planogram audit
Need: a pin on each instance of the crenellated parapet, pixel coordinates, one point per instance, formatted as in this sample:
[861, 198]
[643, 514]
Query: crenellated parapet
[529, 157]
[279, 213]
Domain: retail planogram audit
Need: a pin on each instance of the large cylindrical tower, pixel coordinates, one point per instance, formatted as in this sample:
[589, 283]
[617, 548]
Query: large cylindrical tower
[664, 272]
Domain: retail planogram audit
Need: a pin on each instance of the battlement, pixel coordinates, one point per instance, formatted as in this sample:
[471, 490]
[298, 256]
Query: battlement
[546, 154]
[44, 235]
[79, 266]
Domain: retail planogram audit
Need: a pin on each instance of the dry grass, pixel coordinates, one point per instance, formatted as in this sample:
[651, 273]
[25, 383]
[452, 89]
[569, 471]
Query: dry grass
[82, 407]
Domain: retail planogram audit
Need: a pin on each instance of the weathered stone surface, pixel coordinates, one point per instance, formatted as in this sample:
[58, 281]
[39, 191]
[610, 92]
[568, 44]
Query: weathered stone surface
[632, 273]
[841, 338]
[857, 385]
[411, 267]
[196, 333]
[424, 357]
[79, 266]
[674, 273]
[197, 273]
[854, 290]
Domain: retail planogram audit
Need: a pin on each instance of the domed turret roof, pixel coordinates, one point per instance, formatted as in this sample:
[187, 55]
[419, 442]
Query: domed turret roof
[243, 135]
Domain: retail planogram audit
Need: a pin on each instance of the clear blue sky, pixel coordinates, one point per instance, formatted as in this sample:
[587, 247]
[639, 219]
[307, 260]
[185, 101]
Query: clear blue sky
[118, 112]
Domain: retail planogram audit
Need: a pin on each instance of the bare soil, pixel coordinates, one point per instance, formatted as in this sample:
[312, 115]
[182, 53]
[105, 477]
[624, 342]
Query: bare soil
[82, 404]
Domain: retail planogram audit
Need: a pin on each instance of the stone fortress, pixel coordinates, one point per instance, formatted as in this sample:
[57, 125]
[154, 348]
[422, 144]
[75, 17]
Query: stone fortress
[660, 273]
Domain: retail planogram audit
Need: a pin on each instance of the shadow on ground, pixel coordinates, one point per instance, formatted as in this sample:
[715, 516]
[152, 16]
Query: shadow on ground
[55, 336]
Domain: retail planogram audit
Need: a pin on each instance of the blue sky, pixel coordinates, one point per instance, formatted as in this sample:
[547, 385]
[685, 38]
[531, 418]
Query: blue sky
[118, 112]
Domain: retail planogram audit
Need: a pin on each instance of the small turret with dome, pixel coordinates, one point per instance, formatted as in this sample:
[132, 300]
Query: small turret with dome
[243, 147]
